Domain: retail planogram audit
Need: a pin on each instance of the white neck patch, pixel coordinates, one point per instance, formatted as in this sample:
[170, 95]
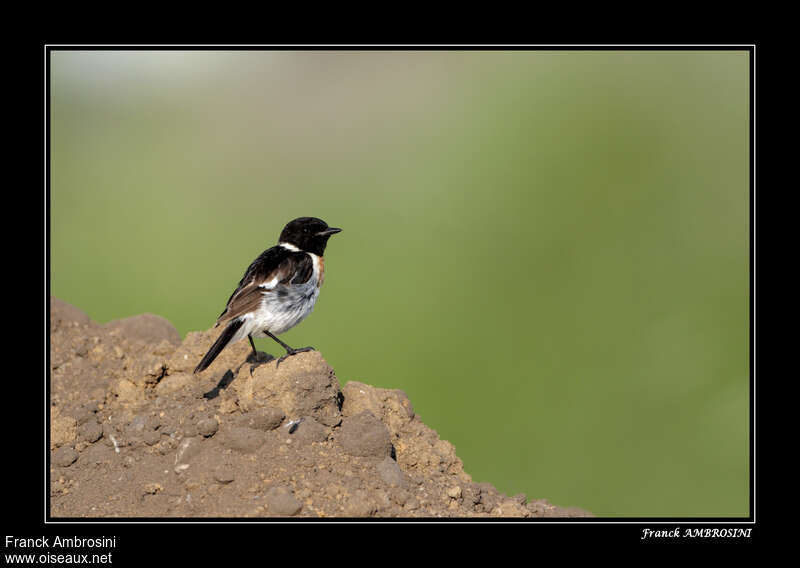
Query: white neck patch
[290, 247]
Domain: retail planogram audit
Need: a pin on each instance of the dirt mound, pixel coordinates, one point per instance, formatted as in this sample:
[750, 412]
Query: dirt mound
[133, 433]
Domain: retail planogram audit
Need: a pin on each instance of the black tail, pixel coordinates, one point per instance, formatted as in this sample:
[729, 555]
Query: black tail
[223, 340]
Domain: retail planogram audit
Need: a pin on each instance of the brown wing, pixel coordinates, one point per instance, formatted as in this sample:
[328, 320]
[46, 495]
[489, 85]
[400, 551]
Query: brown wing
[273, 269]
[246, 299]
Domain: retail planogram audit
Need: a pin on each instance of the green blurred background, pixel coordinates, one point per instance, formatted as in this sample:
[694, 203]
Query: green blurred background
[548, 251]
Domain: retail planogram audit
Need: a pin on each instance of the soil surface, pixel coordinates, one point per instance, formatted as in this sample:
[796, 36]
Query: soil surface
[133, 433]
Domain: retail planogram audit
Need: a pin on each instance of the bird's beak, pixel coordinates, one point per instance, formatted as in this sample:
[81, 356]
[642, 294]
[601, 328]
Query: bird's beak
[328, 232]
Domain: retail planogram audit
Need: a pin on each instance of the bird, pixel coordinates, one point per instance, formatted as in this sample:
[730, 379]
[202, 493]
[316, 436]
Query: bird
[278, 289]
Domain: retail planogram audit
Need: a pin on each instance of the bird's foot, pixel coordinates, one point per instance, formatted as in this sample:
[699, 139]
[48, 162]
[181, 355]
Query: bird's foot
[259, 357]
[256, 359]
[290, 352]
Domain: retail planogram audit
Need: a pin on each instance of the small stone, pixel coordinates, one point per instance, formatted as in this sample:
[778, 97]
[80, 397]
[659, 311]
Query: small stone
[208, 427]
[64, 456]
[391, 473]
[309, 430]
[187, 450]
[85, 412]
[151, 437]
[280, 501]
[364, 435]
[454, 492]
[90, 431]
[224, 474]
[265, 418]
[153, 488]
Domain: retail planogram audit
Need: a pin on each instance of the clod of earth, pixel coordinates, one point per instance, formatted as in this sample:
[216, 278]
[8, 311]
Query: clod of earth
[134, 434]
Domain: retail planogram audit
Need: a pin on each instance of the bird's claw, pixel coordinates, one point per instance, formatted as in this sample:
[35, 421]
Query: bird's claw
[293, 352]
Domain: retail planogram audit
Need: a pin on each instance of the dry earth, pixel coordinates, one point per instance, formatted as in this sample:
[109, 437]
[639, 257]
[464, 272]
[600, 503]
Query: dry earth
[134, 434]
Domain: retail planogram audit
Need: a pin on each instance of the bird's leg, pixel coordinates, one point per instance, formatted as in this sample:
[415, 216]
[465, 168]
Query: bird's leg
[289, 350]
[255, 358]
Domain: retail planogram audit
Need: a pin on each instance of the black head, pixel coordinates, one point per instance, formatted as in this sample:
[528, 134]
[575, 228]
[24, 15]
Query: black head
[308, 233]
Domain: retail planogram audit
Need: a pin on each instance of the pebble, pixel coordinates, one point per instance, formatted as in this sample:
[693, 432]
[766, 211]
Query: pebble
[280, 501]
[151, 437]
[85, 412]
[364, 435]
[153, 488]
[188, 449]
[454, 492]
[391, 473]
[64, 456]
[224, 474]
[265, 418]
[208, 427]
[90, 431]
[309, 430]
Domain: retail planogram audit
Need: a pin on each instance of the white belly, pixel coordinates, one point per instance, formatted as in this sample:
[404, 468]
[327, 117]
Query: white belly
[280, 313]
[282, 307]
